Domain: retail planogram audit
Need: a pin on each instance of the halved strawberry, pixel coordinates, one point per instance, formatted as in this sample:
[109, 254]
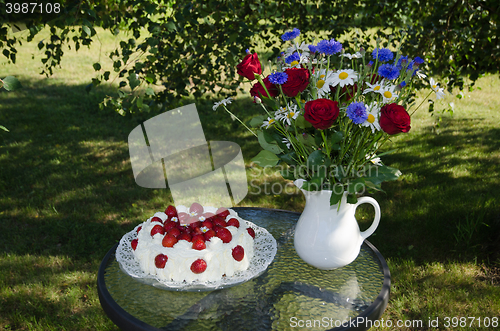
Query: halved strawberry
[198, 237]
[233, 222]
[225, 235]
[195, 224]
[169, 225]
[218, 221]
[222, 212]
[209, 234]
[133, 243]
[157, 229]
[169, 241]
[184, 236]
[251, 232]
[199, 244]
[160, 261]
[208, 215]
[238, 253]
[199, 266]
[156, 219]
[174, 232]
[207, 224]
[171, 212]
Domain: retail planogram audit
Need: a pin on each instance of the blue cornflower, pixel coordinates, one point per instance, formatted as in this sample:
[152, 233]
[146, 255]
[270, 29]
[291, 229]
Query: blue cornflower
[329, 47]
[356, 111]
[418, 60]
[388, 71]
[383, 54]
[402, 84]
[370, 63]
[290, 35]
[294, 57]
[278, 78]
[312, 48]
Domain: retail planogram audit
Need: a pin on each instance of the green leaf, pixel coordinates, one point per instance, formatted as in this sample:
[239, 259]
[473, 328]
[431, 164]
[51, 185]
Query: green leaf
[289, 158]
[315, 184]
[133, 81]
[316, 158]
[356, 186]
[4, 128]
[274, 148]
[307, 140]
[351, 198]
[149, 91]
[336, 137]
[11, 83]
[266, 159]
[379, 174]
[337, 193]
[301, 122]
[86, 29]
[257, 121]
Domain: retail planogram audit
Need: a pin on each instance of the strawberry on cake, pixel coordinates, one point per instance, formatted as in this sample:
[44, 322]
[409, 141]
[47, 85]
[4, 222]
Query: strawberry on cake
[194, 244]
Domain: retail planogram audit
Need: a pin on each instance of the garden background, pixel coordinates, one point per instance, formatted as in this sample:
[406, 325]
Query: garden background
[97, 70]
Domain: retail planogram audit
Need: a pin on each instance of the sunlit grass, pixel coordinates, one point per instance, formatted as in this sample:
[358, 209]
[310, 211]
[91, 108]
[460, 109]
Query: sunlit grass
[67, 194]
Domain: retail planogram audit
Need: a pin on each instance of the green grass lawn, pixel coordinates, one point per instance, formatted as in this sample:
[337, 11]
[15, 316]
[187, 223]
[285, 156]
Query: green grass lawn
[67, 194]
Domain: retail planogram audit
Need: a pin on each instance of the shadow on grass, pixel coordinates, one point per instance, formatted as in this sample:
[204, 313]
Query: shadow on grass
[447, 205]
[67, 189]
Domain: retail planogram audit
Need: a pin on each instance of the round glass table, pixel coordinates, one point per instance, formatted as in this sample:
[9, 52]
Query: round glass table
[290, 294]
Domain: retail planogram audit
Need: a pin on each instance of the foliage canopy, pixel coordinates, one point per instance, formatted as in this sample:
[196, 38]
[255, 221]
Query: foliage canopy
[192, 47]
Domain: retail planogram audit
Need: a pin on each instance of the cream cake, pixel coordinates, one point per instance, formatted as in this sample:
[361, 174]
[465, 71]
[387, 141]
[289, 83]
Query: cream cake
[194, 244]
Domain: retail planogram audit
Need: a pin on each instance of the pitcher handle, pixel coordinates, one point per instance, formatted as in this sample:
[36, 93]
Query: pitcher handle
[368, 232]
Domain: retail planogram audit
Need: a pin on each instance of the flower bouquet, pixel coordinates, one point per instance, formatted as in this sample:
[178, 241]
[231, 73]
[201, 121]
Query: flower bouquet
[327, 113]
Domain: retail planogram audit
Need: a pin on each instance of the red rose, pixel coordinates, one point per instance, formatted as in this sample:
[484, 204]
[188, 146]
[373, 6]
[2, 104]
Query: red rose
[394, 119]
[258, 90]
[298, 79]
[321, 113]
[249, 66]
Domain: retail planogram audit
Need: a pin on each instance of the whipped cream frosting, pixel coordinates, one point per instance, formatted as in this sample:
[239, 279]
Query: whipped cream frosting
[217, 255]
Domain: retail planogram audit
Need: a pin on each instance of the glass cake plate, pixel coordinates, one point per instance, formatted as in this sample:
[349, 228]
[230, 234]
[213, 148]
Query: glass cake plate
[265, 248]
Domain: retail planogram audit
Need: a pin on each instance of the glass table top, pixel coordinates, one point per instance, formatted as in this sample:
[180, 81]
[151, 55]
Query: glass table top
[288, 295]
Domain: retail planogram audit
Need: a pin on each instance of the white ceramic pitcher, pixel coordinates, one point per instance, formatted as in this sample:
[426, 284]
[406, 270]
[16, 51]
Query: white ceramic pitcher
[328, 237]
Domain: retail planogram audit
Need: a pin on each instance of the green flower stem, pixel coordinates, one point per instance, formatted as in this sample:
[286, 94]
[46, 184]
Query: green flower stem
[428, 95]
[259, 78]
[267, 112]
[234, 116]
[325, 142]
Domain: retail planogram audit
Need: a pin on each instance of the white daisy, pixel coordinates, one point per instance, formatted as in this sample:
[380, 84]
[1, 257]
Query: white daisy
[302, 49]
[388, 93]
[286, 142]
[286, 115]
[421, 75]
[377, 87]
[373, 111]
[344, 77]
[374, 159]
[435, 87]
[324, 81]
[356, 55]
[297, 64]
[269, 122]
[224, 102]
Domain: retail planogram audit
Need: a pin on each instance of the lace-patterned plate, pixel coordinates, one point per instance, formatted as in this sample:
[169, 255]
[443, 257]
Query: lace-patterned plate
[265, 249]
